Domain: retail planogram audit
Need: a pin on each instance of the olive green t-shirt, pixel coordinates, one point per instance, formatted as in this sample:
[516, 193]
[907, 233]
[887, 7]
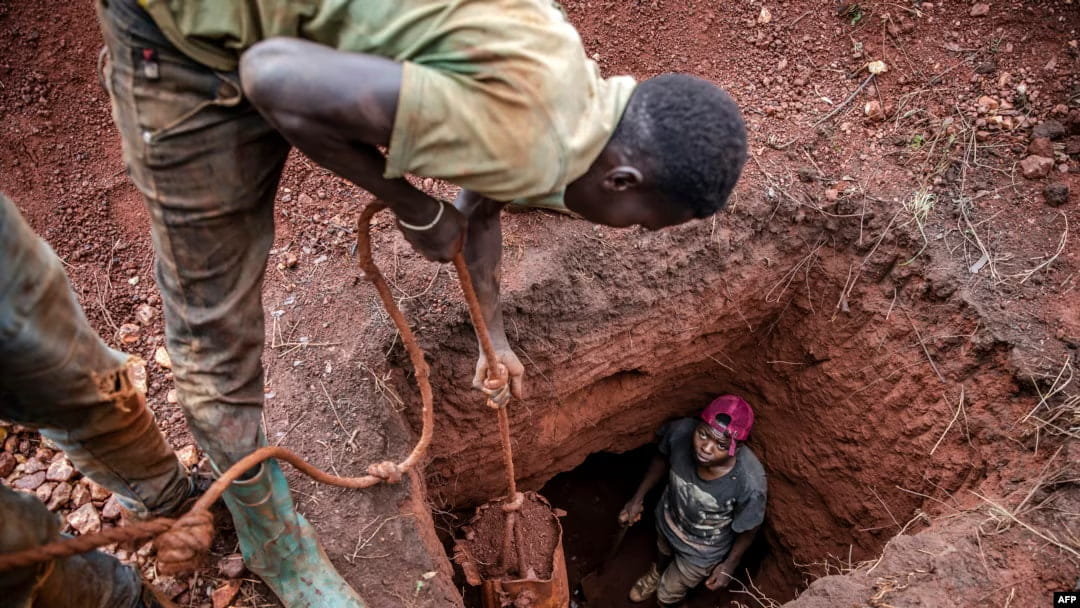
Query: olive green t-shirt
[497, 96]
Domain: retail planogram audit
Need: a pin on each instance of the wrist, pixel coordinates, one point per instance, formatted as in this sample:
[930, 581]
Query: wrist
[426, 220]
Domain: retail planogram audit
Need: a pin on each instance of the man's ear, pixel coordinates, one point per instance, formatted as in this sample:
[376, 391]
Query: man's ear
[622, 178]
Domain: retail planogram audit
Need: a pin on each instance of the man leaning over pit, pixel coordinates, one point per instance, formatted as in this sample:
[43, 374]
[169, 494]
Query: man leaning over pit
[495, 96]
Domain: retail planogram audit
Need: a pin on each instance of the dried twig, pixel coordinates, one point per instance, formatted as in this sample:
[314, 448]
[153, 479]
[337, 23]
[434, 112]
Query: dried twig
[1061, 247]
[333, 408]
[1047, 536]
[959, 407]
[844, 103]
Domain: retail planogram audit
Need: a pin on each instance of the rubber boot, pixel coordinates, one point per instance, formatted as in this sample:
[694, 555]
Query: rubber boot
[280, 546]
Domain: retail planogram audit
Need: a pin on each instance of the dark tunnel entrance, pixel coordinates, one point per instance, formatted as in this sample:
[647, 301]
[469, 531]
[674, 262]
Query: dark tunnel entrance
[592, 495]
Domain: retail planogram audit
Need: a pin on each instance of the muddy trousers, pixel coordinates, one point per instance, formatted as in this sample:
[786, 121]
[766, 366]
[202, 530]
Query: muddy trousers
[57, 375]
[208, 166]
[680, 576]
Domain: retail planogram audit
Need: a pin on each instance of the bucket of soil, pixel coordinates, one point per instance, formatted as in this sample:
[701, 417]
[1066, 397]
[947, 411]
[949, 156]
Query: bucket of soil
[515, 557]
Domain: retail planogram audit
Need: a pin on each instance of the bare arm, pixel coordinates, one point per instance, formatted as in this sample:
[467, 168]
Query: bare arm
[483, 254]
[631, 513]
[337, 107]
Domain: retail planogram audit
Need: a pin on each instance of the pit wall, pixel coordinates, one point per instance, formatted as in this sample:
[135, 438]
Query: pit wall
[621, 330]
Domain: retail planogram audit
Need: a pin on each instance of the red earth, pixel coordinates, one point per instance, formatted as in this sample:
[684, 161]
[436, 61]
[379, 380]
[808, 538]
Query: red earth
[887, 288]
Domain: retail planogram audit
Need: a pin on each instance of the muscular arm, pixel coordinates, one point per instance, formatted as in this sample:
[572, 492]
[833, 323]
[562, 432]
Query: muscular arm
[337, 107]
[483, 254]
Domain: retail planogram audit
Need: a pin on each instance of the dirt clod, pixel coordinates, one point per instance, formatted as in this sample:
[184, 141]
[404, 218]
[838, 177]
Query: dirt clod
[1056, 193]
[1050, 129]
[1036, 167]
[1041, 146]
[486, 533]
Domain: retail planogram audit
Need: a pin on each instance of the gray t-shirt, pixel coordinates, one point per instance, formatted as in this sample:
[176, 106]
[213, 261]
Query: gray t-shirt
[698, 517]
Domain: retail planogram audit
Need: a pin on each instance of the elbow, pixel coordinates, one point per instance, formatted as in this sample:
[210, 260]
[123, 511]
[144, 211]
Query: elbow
[266, 71]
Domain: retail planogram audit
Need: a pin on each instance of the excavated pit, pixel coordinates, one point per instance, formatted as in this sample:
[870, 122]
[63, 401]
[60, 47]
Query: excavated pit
[601, 573]
[849, 403]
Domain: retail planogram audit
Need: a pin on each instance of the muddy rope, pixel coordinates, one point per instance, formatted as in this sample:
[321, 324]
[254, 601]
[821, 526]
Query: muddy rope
[182, 543]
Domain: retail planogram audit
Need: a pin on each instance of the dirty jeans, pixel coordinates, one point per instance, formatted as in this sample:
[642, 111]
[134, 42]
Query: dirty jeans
[58, 376]
[90, 580]
[208, 166]
[680, 576]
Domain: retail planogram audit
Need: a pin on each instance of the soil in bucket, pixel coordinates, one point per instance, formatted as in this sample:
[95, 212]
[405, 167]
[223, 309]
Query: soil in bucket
[539, 581]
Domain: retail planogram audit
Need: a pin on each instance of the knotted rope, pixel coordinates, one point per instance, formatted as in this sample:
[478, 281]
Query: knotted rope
[182, 543]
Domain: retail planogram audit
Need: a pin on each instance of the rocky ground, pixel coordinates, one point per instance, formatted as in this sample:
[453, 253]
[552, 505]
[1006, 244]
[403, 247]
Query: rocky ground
[893, 286]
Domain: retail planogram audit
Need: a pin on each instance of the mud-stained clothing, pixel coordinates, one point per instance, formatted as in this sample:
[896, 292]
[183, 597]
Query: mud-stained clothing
[89, 580]
[57, 375]
[700, 518]
[497, 96]
[208, 164]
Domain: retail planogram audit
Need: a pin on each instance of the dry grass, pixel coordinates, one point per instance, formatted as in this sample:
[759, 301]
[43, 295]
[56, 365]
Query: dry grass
[1058, 409]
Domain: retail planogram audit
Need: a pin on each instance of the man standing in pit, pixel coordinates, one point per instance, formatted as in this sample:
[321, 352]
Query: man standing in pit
[712, 506]
[495, 96]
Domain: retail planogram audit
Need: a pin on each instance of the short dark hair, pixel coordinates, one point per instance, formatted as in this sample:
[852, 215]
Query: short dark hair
[691, 135]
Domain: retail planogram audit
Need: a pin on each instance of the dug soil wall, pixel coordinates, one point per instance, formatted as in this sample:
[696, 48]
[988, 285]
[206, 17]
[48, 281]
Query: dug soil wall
[892, 287]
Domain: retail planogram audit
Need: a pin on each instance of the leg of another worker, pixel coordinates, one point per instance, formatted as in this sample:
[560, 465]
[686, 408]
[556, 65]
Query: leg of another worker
[208, 166]
[57, 375]
[89, 580]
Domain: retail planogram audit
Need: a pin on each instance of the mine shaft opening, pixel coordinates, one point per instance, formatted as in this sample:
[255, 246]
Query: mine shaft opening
[841, 428]
[600, 568]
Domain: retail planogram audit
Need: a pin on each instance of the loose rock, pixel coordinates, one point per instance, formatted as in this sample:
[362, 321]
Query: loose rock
[225, 594]
[1056, 193]
[232, 566]
[873, 111]
[44, 491]
[80, 495]
[987, 103]
[162, 358]
[171, 397]
[188, 455]
[129, 333]
[7, 464]
[30, 482]
[61, 470]
[1050, 129]
[99, 492]
[1036, 167]
[980, 10]
[60, 495]
[85, 519]
[111, 510]
[144, 314]
[1041, 146]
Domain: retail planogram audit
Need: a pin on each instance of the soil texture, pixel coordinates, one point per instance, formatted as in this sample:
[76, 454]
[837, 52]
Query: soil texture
[892, 288]
[536, 536]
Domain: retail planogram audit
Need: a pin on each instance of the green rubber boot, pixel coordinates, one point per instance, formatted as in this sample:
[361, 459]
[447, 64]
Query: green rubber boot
[280, 546]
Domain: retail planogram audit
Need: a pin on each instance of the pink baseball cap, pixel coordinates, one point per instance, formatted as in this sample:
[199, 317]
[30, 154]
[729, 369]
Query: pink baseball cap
[740, 418]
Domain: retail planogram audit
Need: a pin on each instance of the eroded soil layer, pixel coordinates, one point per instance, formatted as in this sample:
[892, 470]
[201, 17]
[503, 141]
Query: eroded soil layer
[890, 288]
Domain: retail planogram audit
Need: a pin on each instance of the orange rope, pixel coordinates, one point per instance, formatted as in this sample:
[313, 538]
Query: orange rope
[182, 542]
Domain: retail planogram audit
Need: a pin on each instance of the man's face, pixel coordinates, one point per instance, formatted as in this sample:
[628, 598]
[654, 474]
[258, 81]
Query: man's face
[710, 446]
[649, 210]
